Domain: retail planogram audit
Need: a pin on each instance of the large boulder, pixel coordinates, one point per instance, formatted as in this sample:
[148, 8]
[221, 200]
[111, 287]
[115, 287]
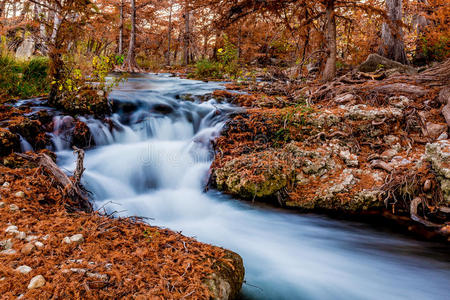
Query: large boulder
[375, 62]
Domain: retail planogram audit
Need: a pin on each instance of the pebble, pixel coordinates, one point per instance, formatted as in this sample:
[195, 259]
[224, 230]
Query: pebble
[36, 282]
[77, 238]
[21, 235]
[13, 207]
[24, 269]
[9, 252]
[102, 277]
[2, 204]
[28, 249]
[11, 229]
[31, 238]
[20, 194]
[46, 237]
[39, 244]
[5, 184]
[6, 244]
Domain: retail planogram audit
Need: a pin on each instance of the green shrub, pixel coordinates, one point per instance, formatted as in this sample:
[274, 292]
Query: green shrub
[206, 69]
[23, 79]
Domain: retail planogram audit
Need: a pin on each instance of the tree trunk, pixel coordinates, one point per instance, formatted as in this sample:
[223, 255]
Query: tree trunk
[329, 73]
[420, 23]
[186, 33]
[121, 29]
[130, 64]
[169, 34]
[392, 33]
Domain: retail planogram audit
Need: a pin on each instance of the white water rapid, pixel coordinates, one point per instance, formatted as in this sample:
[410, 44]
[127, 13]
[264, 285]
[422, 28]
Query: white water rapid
[153, 161]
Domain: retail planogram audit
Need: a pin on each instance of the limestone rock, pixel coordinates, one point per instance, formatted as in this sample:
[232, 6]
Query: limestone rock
[439, 155]
[2, 204]
[351, 160]
[13, 207]
[76, 239]
[36, 282]
[20, 194]
[11, 229]
[375, 62]
[6, 244]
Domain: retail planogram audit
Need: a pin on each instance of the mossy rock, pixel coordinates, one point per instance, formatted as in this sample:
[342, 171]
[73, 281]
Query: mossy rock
[81, 136]
[226, 281]
[88, 101]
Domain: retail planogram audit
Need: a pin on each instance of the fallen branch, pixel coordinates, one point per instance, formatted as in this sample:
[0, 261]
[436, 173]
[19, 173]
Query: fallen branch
[413, 210]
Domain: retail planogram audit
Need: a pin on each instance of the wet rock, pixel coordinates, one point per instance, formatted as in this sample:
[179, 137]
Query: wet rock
[9, 142]
[76, 239]
[36, 282]
[162, 108]
[81, 136]
[27, 249]
[29, 130]
[226, 281]
[24, 269]
[439, 155]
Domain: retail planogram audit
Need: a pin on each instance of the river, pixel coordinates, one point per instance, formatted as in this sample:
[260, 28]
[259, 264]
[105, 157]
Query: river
[154, 163]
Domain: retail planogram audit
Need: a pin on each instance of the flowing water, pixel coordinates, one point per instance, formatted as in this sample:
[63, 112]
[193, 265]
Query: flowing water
[152, 160]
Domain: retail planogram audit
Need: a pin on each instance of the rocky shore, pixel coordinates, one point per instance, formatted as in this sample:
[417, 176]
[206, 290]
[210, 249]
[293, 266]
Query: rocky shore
[51, 246]
[355, 147]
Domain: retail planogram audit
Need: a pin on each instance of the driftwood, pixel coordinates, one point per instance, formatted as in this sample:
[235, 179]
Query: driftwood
[72, 189]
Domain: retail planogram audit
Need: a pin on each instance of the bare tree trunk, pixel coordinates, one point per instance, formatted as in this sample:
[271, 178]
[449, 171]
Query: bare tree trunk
[239, 46]
[329, 73]
[121, 28]
[169, 34]
[186, 33]
[130, 63]
[392, 33]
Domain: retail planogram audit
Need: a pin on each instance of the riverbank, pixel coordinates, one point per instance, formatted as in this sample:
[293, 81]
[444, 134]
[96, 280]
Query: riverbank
[50, 247]
[359, 146]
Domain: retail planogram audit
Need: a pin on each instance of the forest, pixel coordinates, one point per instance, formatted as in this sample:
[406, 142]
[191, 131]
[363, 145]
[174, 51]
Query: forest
[224, 149]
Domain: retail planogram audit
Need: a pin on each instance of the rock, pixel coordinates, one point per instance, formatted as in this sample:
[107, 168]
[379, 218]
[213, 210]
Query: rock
[28, 249]
[9, 142]
[399, 102]
[9, 252]
[39, 244]
[26, 48]
[226, 281]
[379, 164]
[81, 136]
[102, 277]
[375, 62]
[13, 207]
[24, 269]
[351, 160]
[11, 229]
[443, 136]
[389, 154]
[20, 194]
[6, 244]
[439, 155]
[342, 99]
[2, 204]
[21, 235]
[77, 239]
[31, 238]
[435, 130]
[36, 282]
[365, 113]
[5, 184]
[444, 96]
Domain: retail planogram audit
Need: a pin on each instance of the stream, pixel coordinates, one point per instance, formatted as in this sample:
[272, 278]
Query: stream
[154, 163]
